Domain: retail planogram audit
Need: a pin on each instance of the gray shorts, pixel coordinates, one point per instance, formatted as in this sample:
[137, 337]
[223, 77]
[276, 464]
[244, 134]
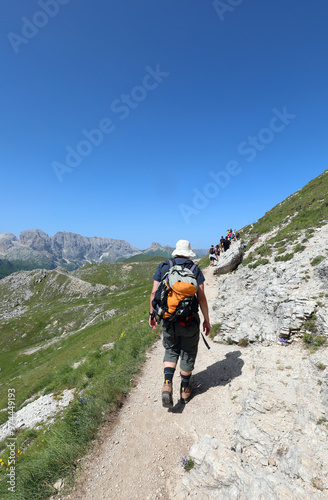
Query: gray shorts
[181, 341]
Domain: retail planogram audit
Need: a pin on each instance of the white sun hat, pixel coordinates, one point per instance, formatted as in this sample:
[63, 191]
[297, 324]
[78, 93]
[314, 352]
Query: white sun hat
[183, 248]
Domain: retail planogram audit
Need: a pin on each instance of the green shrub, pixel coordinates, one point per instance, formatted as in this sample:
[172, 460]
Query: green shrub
[187, 464]
[279, 244]
[248, 259]
[312, 341]
[317, 260]
[264, 250]
[319, 340]
[215, 330]
[284, 258]
[243, 342]
[299, 248]
[310, 323]
[308, 338]
[260, 262]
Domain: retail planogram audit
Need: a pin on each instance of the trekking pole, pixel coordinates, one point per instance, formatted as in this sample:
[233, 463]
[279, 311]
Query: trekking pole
[205, 342]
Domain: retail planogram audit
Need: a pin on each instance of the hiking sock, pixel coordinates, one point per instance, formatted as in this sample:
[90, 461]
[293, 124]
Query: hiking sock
[168, 374]
[185, 380]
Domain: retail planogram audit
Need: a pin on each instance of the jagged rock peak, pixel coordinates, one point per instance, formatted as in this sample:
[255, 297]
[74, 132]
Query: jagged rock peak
[36, 239]
[157, 246]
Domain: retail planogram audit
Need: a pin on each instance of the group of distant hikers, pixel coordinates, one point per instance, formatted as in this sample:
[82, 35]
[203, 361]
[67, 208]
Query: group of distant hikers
[223, 246]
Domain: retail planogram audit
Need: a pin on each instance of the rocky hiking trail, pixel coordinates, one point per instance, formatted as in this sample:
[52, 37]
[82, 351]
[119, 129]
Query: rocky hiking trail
[255, 428]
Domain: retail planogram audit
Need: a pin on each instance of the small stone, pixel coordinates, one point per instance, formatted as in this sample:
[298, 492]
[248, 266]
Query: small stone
[59, 484]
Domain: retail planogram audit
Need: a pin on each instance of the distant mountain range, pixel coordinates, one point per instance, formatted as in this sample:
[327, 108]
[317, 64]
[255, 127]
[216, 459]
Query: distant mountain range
[157, 250]
[35, 249]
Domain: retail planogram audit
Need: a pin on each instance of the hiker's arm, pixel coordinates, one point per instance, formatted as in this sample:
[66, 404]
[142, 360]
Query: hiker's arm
[204, 308]
[152, 321]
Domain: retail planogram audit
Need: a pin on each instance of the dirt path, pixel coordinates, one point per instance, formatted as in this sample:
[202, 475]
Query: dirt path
[140, 456]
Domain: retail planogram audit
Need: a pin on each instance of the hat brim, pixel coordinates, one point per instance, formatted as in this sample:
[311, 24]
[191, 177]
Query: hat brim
[183, 253]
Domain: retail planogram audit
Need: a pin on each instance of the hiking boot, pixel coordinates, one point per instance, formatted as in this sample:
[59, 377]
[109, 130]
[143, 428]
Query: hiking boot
[185, 394]
[167, 392]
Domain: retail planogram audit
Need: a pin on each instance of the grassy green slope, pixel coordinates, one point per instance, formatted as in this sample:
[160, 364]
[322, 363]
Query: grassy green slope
[54, 311]
[292, 221]
[307, 208]
[141, 257]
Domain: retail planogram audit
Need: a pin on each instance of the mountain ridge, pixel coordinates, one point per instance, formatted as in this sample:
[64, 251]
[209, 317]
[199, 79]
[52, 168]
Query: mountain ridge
[35, 249]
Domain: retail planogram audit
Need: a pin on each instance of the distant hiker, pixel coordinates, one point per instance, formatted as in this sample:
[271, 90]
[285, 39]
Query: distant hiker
[226, 244]
[212, 255]
[180, 331]
[222, 244]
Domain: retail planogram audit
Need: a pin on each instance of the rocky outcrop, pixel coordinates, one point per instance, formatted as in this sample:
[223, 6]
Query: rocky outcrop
[41, 410]
[19, 288]
[222, 473]
[229, 260]
[277, 300]
[277, 445]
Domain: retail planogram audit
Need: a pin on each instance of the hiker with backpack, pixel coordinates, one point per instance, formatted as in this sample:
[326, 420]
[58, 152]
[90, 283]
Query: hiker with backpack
[177, 292]
[212, 255]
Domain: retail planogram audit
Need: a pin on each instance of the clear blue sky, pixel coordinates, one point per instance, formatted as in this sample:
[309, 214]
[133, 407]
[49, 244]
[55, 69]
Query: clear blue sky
[172, 93]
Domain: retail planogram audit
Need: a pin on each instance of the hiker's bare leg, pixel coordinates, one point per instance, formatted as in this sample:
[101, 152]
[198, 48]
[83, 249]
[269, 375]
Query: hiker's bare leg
[169, 364]
[185, 373]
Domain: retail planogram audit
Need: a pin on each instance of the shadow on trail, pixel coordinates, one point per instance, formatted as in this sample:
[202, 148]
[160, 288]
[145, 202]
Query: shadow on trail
[177, 408]
[219, 374]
